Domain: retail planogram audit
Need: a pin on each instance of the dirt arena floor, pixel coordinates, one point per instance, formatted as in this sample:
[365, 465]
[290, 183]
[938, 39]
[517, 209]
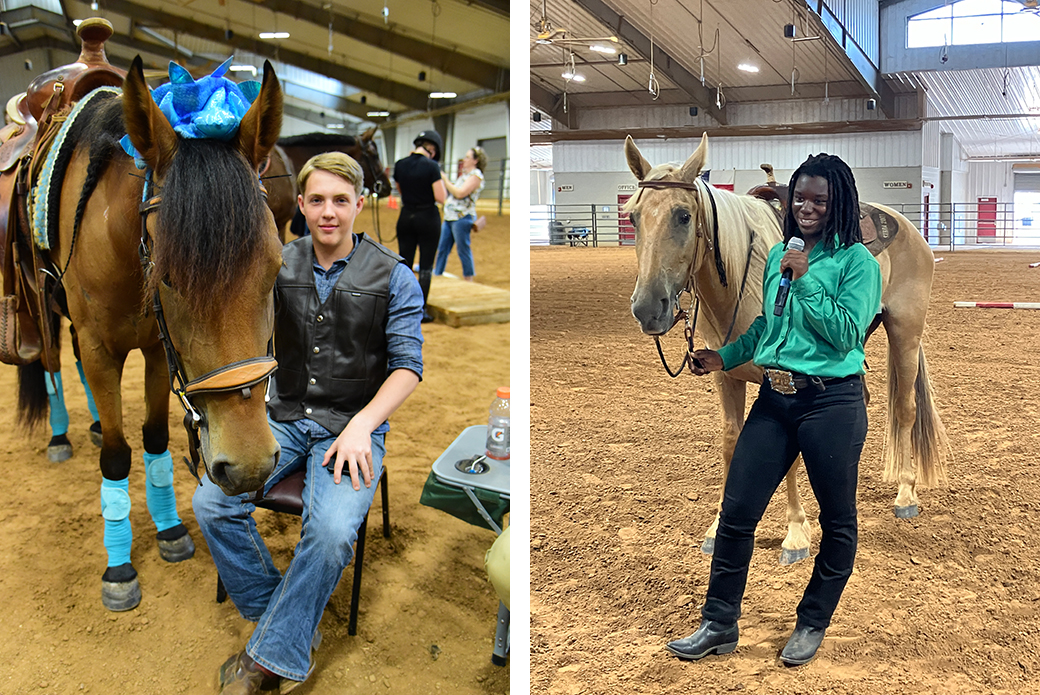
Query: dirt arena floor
[427, 614]
[625, 480]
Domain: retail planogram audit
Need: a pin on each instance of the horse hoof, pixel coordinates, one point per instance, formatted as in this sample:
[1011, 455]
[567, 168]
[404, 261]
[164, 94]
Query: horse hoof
[59, 449]
[120, 596]
[907, 512]
[176, 549]
[789, 557]
[708, 546]
[95, 434]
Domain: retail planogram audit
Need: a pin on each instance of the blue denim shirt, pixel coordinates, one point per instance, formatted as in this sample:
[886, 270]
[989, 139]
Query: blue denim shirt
[403, 326]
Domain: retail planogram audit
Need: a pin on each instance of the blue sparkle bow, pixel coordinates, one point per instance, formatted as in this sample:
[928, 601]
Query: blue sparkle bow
[211, 107]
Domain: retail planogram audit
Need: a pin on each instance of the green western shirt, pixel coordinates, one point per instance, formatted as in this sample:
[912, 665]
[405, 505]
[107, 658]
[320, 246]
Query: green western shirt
[825, 322]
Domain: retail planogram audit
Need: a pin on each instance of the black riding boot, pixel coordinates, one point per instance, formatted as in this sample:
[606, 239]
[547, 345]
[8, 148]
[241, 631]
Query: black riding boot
[424, 284]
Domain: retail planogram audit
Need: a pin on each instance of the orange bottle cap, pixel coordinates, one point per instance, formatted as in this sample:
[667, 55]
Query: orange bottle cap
[503, 392]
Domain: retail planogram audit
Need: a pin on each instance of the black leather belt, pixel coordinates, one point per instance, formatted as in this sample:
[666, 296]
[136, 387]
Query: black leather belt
[785, 382]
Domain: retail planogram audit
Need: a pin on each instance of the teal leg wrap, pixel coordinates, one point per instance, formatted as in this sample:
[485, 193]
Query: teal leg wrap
[56, 396]
[115, 508]
[90, 396]
[161, 501]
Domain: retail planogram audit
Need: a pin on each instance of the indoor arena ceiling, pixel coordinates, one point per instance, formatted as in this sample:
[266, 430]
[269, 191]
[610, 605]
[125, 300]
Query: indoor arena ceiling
[341, 60]
[692, 48]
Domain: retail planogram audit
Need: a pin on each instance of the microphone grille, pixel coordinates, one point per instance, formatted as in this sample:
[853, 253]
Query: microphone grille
[797, 243]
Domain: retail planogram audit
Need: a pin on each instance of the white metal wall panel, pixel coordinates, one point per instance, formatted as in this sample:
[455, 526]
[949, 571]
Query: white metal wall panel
[861, 19]
[668, 116]
[930, 144]
[480, 123]
[801, 111]
[899, 149]
[991, 179]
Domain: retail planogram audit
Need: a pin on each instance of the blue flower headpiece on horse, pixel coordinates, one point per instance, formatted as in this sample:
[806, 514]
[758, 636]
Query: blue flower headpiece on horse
[211, 107]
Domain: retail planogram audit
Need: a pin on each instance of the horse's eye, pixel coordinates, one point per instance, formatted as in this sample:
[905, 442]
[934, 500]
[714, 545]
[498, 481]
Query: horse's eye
[684, 217]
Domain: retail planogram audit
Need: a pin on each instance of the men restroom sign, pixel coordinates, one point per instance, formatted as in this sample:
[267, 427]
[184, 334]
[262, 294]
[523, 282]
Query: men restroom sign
[565, 188]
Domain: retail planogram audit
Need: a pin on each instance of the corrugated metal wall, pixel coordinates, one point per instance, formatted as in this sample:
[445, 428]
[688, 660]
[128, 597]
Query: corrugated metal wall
[991, 179]
[861, 18]
[899, 149]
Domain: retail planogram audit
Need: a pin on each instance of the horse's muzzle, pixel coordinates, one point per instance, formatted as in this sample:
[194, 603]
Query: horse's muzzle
[655, 316]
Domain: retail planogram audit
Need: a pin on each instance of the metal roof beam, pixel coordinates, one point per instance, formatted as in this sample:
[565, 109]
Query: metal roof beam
[448, 61]
[701, 95]
[395, 91]
[553, 105]
[863, 68]
[743, 131]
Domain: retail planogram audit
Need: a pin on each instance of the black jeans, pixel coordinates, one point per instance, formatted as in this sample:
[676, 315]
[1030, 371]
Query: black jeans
[419, 227]
[828, 428]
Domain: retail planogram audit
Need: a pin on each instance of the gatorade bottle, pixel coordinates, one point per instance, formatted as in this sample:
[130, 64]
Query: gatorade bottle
[498, 426]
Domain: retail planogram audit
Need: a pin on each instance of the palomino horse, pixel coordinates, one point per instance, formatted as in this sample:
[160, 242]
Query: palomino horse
[179, 263]
[710, 243]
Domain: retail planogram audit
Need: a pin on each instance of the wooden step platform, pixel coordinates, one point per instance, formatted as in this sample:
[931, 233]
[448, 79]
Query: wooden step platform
[459, 303]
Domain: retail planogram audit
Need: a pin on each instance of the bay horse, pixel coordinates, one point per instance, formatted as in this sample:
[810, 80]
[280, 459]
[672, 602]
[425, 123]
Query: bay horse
[179, 263]
[293, 152]
[713, 244]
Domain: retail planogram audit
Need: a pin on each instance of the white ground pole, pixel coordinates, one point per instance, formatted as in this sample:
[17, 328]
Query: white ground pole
[997, 305]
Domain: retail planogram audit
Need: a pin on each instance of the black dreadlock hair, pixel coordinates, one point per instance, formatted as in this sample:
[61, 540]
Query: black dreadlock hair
[842, 202]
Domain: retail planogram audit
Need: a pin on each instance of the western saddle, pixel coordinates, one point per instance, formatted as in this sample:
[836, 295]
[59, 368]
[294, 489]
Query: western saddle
[35, 117]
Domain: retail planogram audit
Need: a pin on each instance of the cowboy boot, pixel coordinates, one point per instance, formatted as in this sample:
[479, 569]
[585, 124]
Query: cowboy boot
[425, 277]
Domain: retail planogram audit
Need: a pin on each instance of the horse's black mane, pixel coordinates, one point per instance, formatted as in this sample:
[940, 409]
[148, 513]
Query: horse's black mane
[211, 205]
[319, 139]
[100, 123]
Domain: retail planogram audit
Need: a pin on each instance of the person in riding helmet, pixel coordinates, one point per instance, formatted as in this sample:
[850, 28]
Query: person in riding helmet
[418, 178]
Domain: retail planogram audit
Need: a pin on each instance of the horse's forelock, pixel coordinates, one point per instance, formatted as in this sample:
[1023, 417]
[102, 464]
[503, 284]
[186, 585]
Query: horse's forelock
[211, 224]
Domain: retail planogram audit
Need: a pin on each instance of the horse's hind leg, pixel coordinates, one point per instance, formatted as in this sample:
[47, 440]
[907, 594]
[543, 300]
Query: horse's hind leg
[796, 546]
[174, 542]
[95, 427]
[904, 344]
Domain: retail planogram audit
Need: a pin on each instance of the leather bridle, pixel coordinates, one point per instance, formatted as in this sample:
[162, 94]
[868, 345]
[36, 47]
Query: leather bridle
[241, 375]
[690, 287]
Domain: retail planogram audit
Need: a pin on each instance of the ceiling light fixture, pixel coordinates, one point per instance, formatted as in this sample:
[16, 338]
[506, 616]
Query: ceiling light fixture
[443, 95]
[378, 114]
[335, 126]
[747, 67]
[274, 35]
[602, 49]
[243, 68]
[575, 76]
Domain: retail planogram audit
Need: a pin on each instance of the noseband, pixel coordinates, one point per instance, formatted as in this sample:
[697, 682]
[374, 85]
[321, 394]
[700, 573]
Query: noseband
[241, 376]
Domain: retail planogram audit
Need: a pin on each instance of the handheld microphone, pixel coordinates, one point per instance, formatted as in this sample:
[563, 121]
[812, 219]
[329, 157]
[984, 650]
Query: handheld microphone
[798, 244]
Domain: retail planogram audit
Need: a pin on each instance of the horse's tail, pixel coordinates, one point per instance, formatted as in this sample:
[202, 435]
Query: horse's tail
[32, 394]
[931, 448]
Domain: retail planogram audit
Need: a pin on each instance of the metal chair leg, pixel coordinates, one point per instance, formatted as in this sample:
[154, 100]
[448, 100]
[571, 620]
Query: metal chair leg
[355, 590]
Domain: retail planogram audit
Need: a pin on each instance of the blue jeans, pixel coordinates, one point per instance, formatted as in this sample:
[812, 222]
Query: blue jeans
[287, 608]
[456, 232]
[828, 428]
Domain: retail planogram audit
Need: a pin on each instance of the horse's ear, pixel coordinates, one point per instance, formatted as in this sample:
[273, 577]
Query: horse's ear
[695, 164]
[368, 134]
[636, 162]
[263, 121]
[150, 133]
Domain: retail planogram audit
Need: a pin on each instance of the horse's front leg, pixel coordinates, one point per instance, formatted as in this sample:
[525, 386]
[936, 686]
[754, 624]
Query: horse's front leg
[120, 590]
[732, 398]
[796, 546]
[174, 542]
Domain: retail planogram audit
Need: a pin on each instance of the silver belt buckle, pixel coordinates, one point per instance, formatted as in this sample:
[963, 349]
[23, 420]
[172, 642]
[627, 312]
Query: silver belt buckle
[781, 381]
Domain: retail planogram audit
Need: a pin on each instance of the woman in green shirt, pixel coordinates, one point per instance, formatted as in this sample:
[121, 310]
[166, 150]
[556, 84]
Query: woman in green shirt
[811, 403]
